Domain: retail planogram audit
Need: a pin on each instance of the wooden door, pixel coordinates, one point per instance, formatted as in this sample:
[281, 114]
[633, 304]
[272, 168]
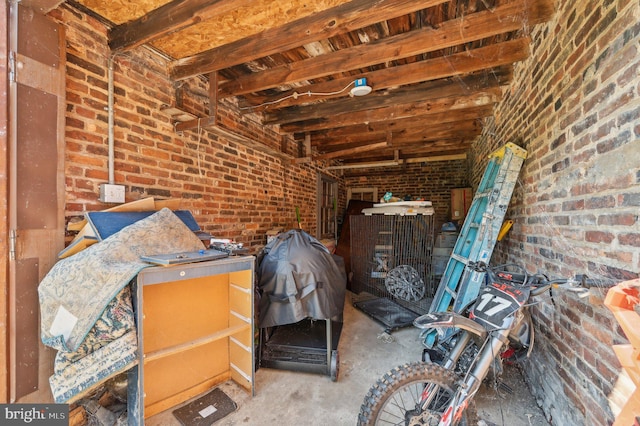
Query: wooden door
[36, 190]
[326, 226]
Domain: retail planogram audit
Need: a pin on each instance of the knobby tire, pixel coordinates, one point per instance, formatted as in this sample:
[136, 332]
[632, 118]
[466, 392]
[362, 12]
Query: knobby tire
[399, 389]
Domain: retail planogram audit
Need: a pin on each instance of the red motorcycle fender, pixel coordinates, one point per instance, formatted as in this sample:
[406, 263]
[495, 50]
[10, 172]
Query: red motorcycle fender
[449, 320]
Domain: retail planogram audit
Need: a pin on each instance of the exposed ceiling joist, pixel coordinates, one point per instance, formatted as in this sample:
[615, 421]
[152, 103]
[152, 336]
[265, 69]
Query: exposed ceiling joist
[168, 18]
[344, 18]
[437, 67]
[430, 121]
[399, 111]
[351, 151]
[502, 19]
[462, 63]
[470, 128]
[428, 91]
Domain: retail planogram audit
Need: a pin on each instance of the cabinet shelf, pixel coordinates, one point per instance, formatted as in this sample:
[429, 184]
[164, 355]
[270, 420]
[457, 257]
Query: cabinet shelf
[152, 356]
[195, 330]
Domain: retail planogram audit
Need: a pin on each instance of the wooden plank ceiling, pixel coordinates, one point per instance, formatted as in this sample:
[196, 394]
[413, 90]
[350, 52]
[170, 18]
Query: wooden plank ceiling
[436, 67]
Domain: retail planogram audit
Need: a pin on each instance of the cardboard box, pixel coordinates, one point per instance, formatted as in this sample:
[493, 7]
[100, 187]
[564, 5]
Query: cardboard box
[460, 202]
[273, 233]
[439, 264]
[446, 240]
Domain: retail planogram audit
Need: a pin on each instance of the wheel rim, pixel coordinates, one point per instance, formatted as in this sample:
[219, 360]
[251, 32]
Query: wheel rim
[404, 282]
[402, 408]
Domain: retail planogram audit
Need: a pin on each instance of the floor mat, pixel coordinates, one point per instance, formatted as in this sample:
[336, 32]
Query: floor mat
[206, 410]
[387, 312]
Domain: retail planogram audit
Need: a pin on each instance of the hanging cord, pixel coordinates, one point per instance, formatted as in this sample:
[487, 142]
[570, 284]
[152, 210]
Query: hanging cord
[200, 130]
[295, 95]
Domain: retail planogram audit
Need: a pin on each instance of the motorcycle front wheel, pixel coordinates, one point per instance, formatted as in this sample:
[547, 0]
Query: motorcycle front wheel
[395, 398]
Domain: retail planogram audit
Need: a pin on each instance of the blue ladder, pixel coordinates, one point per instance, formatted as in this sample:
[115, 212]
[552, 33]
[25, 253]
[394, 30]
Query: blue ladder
[459, 285]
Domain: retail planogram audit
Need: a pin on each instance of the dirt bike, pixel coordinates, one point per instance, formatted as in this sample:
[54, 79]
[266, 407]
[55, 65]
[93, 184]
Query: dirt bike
[440, 390]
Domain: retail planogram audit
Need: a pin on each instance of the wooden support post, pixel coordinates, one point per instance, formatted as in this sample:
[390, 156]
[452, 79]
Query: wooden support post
[307, 144]
[304, 151]
[213, 95]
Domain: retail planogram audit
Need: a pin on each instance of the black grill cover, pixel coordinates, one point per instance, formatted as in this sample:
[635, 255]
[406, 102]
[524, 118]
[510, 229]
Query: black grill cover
[299, 278]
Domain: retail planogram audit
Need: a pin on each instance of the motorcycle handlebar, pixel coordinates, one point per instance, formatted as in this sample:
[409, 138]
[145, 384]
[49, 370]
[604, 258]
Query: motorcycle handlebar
[538, 282]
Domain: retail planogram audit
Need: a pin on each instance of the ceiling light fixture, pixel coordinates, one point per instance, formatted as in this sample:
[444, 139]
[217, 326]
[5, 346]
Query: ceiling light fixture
[360, 87]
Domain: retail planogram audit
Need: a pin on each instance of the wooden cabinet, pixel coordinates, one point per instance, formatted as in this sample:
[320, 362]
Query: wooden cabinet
[195, 330]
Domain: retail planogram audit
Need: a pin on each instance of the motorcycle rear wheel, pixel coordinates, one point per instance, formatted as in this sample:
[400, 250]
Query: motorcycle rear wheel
[393, 399]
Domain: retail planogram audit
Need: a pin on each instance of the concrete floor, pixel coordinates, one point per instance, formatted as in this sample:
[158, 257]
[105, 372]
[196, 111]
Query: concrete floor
[286, 398]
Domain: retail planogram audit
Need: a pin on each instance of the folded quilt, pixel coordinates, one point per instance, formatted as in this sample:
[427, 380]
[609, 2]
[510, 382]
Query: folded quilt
[85, 374]
[74, 294]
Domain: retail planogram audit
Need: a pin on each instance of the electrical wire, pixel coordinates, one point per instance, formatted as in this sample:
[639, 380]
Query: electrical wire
[296, 95]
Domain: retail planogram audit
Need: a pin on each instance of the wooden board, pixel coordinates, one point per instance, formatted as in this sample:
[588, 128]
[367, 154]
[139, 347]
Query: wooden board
[81, 241]
[105, 224]
[77, 245]
[146, 204]
[36, 196]
[171, 203]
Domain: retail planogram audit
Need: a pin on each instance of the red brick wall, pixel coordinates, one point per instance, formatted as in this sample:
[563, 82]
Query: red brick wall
[432, 181]
[575, 106]
[232, 190]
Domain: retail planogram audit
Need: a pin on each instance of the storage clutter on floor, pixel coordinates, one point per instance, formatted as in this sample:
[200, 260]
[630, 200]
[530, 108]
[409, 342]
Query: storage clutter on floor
[391, 262]
[302, 292]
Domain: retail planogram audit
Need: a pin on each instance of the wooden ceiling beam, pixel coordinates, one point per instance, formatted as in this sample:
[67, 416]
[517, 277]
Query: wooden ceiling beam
[427, 133]
[340, 19]
[452, 149]
[350, 151]
[409, 144]
[446, 105]
[445, 147]
[168, 18]
[419, 120]
[502, 19]
[405, 95]
[466, 62]
[403, 142]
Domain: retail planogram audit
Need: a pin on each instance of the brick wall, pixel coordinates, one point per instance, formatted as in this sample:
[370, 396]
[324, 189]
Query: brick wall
[575, 106]
[232, 190]
[432, 181]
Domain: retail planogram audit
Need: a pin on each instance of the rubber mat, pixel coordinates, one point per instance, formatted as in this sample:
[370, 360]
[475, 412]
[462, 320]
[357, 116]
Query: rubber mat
[206, 410]
[387, 312]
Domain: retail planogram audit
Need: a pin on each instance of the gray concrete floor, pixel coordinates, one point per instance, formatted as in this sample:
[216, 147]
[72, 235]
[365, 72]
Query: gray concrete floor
[286, 398]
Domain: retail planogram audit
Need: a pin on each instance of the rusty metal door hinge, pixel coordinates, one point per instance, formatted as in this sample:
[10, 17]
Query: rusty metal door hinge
[12, 67]
[12, 244]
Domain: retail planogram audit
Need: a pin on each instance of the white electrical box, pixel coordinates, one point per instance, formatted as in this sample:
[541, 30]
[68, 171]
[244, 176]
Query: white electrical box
[110, 193]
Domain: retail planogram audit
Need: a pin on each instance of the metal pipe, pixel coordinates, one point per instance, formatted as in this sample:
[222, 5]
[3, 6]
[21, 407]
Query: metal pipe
[111, 149]
[13, 108]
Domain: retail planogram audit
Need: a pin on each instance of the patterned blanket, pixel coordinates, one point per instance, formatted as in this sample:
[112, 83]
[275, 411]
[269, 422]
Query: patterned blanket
[85, 303]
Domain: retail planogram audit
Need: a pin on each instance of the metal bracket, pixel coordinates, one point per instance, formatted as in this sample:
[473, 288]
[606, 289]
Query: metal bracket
[12, 244]
[12, 67]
